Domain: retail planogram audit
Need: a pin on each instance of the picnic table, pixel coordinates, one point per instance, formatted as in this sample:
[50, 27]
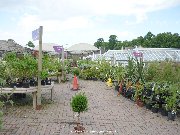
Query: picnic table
[32, 90]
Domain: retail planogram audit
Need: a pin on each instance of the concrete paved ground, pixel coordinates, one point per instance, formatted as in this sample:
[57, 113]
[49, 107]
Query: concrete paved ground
[107, 115]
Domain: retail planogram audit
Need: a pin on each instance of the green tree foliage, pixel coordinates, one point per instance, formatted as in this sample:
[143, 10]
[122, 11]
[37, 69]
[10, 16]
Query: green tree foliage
[99, 43]
[30, 44]
[79, 103]
[161, 40]
[112, 42]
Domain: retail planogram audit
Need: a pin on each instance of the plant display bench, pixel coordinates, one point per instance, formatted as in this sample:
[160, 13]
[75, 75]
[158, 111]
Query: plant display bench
[32, 90]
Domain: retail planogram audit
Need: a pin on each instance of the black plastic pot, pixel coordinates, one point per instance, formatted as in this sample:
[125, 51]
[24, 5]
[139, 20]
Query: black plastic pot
[12, 85]
[32, 83]
[154, 110]
[148, 93]
[117, 88]
[19, 84]
[128, 94]
[148, 106]
[94, 79]
[43, 82]
[48, 82]
[171, 116]
[35, 83]
[164, 112]
[25, 85]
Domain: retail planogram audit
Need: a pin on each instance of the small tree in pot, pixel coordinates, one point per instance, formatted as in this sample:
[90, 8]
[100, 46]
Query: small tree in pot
[79, 104]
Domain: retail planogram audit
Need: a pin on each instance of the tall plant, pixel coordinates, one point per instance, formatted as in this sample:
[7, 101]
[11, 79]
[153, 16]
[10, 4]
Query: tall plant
[119, 73]
[131, 69]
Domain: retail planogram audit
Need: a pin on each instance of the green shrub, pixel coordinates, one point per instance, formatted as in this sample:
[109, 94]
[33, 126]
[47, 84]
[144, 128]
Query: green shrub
[79, 103]
[75, 71]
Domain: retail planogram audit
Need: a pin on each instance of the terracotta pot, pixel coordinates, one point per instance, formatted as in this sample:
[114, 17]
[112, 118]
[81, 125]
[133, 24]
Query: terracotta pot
[140, 103]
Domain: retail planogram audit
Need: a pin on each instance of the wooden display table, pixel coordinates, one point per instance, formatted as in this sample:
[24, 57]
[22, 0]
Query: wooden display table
[32, 90]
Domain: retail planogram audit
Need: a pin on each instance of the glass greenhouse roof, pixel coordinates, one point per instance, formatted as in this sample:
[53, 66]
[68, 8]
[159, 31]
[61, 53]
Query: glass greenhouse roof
[147, 54]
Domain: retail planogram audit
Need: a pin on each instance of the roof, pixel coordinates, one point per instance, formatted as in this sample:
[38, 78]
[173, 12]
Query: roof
[46, 47]
[10, 45]
[82, 48]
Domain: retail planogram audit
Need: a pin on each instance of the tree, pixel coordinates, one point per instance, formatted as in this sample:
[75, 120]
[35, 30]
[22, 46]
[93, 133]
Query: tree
[99, 43]
[30, 44]
[161, 40]
[148, 39]
[112, 41]
[79, 104]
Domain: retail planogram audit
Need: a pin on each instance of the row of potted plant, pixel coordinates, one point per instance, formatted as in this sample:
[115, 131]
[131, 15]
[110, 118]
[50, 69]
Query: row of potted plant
[159, 95]
[19, 70]
[163, 98]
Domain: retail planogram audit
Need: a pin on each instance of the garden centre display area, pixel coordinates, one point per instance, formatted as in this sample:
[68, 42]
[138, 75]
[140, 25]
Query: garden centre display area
[154, 85]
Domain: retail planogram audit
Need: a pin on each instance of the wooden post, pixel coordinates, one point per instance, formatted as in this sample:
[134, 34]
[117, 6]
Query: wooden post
[63, 73]
[38, 107]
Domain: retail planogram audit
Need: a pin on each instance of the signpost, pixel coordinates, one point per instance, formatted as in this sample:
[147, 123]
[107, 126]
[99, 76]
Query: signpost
[37, 35]
[138, 55]
[60, 49]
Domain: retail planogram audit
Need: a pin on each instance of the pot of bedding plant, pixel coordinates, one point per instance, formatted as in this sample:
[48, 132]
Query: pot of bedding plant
[44, 75]
[32, 82]
[25, 83]
[155, 108]
[172, 101]
[148, 103]
[48, 81]
[172, 115]
[163, 110]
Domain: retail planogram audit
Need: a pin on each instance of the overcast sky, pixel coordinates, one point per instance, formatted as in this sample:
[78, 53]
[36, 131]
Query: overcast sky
[67, 22]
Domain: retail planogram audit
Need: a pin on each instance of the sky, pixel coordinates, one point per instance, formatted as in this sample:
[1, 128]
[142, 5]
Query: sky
[69, 22]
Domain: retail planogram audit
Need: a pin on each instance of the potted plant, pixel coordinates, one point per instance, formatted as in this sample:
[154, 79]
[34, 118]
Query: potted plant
[155, 108]
[172, 101]
[163, 110]
[79, 104]
[44, 75]
[139, 93]
[148, 103]
[118, 76]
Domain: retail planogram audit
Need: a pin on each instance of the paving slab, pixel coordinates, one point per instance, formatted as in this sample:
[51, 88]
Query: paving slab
[108, 114]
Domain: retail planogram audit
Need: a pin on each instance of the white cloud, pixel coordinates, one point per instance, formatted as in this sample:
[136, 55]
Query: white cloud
[71, 17]
[30, 22]
[67, 8]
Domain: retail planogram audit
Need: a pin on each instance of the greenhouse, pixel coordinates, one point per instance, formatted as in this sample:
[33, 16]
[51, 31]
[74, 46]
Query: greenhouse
[147, 54]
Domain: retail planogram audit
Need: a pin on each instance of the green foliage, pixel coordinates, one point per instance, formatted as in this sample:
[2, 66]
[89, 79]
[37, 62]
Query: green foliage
[99, 43]
[131, 68]
[18, 67]
[173, 99]
[151, 71]
[30, 44]
[135, 70]
[119, 73]
[3, 74]
[166, 71]
[161, 40]
[156, 106]
[112, 41]
[76, 71]
[26, 65]
[44, 75]
[79, 103]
